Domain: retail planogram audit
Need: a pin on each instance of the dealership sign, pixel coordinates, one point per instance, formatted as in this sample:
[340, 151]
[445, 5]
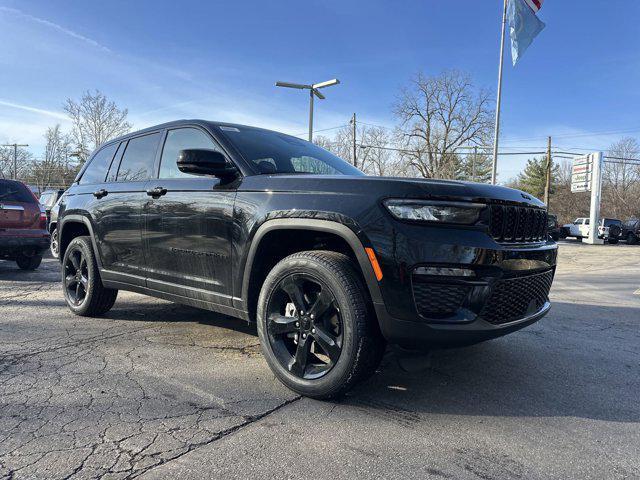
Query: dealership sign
[581, 173]
[586, 176]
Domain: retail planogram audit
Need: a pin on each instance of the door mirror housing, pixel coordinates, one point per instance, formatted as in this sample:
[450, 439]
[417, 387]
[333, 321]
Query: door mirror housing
[199, 161]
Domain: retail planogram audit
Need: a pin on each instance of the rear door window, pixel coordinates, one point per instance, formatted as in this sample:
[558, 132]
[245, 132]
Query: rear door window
[15, 192]
[98, 165]
[139, 158]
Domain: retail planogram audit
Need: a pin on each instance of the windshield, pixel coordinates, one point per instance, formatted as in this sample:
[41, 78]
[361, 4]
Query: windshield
[273, 152]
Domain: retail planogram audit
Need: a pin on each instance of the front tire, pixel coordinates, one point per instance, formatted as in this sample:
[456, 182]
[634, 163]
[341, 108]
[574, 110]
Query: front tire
[81, 282]
[613, 240]
[316, 328]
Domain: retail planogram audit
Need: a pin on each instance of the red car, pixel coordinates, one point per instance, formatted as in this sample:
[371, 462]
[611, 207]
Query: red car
[23, 225]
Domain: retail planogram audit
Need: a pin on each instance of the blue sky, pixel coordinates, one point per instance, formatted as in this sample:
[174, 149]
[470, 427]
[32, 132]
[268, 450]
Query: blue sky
[219, 60]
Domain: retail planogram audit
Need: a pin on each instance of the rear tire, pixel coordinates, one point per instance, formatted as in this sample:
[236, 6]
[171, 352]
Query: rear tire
[26, 262]
[356, 345]
[81, 282]
[632, 239]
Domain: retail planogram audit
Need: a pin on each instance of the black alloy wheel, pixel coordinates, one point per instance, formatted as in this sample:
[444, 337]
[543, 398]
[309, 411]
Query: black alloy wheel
[304, 326]
[76, 277]
[81, 283]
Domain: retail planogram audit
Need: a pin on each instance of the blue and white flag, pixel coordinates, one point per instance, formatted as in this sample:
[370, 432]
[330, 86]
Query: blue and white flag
[524, 25]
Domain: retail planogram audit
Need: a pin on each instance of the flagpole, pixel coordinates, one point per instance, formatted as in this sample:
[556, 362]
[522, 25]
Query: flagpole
[494, 166]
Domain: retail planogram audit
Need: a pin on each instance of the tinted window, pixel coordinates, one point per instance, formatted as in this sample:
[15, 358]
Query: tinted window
[274, 152]
[98, 166]
[138, 159]
[15, 192]
[181, 139]
[113, 170]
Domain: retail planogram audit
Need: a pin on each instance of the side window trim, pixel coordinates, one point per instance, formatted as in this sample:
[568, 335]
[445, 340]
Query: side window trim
[158, 162]
[115, 162]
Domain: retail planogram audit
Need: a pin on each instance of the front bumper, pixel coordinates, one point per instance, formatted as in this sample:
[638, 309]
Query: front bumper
[507, 287]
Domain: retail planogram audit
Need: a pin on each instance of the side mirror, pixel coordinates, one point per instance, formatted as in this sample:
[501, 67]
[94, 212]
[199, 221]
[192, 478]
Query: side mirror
[199, 161]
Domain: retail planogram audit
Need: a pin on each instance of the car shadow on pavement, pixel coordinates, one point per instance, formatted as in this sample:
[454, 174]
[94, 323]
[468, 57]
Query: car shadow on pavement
[173, 312]
[576, 362]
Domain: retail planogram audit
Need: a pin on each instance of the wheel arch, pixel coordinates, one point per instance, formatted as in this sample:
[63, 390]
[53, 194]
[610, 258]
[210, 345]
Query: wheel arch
[72, 226]
[326, 227]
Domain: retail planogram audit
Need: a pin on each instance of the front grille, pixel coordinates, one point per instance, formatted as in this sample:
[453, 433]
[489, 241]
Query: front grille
[511, 224]
[435, 300]
[514, 298]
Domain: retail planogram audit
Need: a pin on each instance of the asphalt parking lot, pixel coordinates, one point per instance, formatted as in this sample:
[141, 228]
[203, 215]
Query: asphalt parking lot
[158, 390]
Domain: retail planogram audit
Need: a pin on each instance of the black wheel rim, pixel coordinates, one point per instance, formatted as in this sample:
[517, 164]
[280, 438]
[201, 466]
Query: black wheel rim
[76, 277]
[304, 326]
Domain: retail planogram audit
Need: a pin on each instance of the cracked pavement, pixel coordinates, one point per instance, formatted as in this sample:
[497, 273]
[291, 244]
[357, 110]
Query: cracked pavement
[159, 390]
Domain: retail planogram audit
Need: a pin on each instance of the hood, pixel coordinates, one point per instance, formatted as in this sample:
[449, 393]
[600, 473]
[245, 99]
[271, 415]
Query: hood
[383, 187]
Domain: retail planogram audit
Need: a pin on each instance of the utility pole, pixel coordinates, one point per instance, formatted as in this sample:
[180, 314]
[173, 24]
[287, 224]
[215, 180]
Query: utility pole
[547, 185]
[473, 163]
[15, 156]
[355, 151]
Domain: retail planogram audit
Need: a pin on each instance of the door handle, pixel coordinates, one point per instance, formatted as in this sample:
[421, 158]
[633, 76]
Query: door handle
[100, 193]
[156, 192]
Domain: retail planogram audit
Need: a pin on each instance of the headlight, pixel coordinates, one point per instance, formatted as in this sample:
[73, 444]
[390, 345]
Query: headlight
[460, 213]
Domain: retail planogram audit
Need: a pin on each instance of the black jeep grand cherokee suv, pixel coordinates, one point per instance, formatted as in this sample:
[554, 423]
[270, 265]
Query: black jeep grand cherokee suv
[330, 263]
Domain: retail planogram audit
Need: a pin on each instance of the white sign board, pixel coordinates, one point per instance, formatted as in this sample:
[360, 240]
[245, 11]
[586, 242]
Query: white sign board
[586, 176]
[581, 173]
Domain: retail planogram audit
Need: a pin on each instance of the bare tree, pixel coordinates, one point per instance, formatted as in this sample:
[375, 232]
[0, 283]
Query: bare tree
[55, 169]
[324, 142]
[375, 153]
[438, 115]
[95, 120]
[24, 159]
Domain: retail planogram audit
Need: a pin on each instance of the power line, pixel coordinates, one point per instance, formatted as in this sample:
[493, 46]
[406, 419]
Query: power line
[321, 130]
[577, 135]
[440, 153]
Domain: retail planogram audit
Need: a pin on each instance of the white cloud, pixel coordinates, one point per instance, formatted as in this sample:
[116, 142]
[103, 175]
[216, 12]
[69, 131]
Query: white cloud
[39, 111]
[54, 26]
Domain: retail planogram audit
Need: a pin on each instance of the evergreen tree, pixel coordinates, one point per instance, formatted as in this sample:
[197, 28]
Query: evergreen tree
[475, 168]
[533, 179]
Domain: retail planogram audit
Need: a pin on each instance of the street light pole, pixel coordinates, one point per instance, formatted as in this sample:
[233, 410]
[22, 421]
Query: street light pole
[311, 115]
[314, 89]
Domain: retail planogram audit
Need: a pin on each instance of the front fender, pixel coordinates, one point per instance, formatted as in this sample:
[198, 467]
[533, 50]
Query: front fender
[314, 224]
